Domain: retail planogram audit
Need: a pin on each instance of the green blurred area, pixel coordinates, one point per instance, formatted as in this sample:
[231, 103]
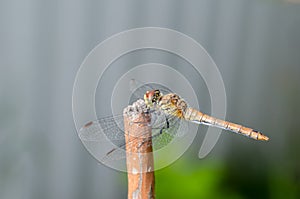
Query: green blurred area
[191, 179]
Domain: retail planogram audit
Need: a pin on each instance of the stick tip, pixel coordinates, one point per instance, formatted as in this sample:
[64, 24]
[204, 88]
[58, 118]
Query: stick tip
[136, 108]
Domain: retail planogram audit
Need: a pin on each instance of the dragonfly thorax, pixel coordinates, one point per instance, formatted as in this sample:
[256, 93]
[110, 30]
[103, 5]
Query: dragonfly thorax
[171, 103]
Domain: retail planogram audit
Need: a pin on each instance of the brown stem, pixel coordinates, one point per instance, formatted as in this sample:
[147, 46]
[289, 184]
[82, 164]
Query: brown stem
[139, 156]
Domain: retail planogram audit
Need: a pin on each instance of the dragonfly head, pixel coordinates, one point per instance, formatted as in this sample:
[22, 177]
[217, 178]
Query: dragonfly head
[152, 97]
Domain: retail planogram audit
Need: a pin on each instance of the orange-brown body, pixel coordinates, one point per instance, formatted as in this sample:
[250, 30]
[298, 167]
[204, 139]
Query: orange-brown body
[173, 105]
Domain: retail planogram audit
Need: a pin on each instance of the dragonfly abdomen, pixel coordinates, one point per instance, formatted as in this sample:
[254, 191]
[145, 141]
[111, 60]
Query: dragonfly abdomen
[198, 117]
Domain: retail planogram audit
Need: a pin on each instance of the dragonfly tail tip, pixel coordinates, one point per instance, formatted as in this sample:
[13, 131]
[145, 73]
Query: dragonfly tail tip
[263, 137]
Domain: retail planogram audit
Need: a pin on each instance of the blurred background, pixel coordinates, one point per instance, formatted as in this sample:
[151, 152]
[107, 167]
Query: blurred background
[255, 44]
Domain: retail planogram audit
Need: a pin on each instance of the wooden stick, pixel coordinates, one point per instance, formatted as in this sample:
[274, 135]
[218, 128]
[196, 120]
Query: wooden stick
[139, 156]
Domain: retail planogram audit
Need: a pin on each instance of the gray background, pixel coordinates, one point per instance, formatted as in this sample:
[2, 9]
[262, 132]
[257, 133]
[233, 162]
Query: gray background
[255, 44]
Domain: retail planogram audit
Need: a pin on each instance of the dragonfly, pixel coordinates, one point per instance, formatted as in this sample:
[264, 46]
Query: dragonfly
[170, 114]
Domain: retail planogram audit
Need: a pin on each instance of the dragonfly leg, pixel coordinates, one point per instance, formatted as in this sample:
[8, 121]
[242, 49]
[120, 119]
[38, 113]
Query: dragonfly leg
[168, 126]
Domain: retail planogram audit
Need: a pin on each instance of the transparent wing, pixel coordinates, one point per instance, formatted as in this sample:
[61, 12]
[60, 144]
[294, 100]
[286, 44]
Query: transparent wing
[111, 129]
[177, 128]
[160, 138]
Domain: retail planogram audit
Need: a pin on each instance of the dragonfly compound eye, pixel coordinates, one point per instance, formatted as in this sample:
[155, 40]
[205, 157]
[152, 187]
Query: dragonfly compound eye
[157, 93]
